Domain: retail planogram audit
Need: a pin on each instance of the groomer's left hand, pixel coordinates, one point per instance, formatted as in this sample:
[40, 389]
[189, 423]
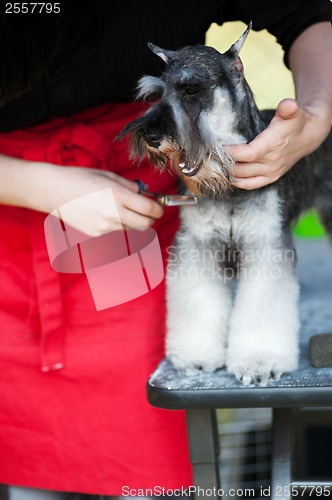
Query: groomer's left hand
[294, 132]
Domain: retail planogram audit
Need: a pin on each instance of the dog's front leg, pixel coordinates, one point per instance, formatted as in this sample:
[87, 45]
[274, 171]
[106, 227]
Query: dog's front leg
[263, 341]
[199, 303]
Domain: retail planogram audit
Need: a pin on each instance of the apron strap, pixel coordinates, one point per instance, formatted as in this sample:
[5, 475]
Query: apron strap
[49, 299]
[74, 144]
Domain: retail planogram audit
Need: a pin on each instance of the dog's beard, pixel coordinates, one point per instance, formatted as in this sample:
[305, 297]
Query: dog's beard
[212, 176]
[204, 171]
[201, 162]
[212, 170]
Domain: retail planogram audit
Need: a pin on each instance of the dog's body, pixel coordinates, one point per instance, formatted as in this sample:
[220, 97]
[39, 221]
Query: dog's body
[205, 103]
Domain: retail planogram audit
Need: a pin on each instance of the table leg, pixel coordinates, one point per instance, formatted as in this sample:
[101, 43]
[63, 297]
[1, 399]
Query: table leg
[282, 445]
[204, 449]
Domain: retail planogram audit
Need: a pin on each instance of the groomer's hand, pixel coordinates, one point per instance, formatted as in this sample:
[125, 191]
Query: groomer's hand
[94, 201]
[294, 132]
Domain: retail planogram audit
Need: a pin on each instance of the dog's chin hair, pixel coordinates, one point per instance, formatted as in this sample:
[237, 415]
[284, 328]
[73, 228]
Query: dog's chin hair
[212, 182]
[214, 177]
[217, 187]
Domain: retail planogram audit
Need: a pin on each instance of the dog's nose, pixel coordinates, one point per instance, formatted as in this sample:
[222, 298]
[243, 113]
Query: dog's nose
[153, 138]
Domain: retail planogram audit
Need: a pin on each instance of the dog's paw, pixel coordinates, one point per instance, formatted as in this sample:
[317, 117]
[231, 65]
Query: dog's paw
[260, 368]
[194, 364]
[192, 349]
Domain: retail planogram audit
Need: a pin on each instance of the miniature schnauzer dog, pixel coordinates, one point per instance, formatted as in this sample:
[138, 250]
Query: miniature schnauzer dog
[201, 103]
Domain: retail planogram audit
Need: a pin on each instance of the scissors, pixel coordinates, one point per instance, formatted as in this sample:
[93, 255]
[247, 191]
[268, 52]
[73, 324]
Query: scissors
[167, 200]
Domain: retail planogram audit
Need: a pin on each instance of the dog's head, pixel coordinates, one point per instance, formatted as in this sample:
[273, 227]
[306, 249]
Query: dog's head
[198, 107]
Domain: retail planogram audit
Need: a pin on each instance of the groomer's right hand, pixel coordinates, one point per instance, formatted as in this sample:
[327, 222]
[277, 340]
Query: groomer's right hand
[94, 201]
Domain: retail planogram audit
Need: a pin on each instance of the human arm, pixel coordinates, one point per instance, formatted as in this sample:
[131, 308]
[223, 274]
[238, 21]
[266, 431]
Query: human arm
[300, 125]
[45, 187]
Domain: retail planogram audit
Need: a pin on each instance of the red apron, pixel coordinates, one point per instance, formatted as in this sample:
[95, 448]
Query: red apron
[86, 427]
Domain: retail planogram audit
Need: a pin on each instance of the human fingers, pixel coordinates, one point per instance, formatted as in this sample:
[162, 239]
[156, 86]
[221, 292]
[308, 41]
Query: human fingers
[103, 211]
[135, 220]
[252, 152]
[245, 170]
[124, 191]
[133, 209]
[272, 171]
[287, 108]
[142, 205]
[251, 183]
[273, 140]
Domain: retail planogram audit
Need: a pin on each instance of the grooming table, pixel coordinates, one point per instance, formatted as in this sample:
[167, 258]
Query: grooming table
[201, 394]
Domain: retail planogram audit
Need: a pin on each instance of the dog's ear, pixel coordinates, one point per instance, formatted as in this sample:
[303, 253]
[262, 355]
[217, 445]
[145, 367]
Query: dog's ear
[166, 55]
[234, 50]
[237, 46]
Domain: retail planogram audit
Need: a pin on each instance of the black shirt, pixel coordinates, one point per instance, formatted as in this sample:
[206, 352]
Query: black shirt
[103, 49]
